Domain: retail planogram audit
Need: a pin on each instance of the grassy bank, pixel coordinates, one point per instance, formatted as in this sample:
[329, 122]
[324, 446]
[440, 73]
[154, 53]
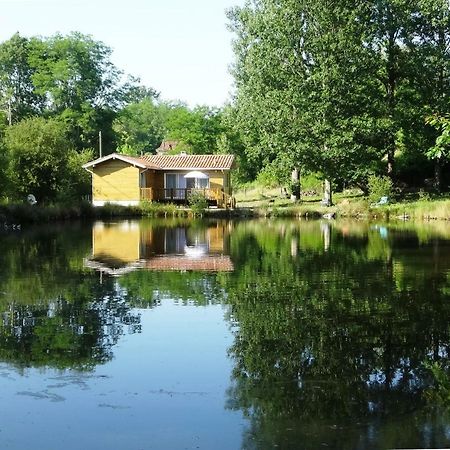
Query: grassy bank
[13, 214]
[264, 202]
[273, 204]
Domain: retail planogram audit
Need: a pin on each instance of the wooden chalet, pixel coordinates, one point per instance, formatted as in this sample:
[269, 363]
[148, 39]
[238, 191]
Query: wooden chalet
[127, 180]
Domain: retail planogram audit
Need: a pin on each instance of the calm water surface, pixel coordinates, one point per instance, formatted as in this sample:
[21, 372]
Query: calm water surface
[225, 335]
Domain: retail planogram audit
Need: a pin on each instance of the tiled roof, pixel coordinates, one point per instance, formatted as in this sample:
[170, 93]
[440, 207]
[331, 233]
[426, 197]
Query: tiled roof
[204, 264]
[173, 162]
[190, 162]
[221, 263]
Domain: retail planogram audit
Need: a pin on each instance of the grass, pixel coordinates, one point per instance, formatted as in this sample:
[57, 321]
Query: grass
[251, 202]
[19, 213]
[272, 202]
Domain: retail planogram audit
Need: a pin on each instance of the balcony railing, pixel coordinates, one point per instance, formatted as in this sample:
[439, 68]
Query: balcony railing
[180, 195]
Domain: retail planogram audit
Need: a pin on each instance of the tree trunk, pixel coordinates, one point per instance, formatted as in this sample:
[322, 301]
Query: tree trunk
[390, 163]
[437, 174]
[391, 86]
[9, 113]
[327, 193]
[295, 185]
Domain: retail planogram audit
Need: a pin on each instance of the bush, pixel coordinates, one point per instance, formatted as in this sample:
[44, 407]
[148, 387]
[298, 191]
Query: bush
[379, 186]
[197, 202]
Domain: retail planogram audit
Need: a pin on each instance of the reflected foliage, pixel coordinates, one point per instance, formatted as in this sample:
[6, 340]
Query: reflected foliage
[333, 326]
[53, 312]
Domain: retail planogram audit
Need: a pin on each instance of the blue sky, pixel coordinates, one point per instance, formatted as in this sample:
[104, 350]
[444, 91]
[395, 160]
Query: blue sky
[179, 47]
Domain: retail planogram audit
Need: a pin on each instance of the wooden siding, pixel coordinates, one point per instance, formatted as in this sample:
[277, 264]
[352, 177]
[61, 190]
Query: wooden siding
[154, 179]
[216, 239]
[215, 179]
[115, 180]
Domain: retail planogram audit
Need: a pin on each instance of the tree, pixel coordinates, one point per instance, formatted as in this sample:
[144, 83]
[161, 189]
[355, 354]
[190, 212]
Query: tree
[74, 71]
[77, 78]
[300, 92]
[18, 97]
[197, 130]
[76, 182]
[440, 151]
[139, 127]
[38, 149]
[340, 89]
[434, 76]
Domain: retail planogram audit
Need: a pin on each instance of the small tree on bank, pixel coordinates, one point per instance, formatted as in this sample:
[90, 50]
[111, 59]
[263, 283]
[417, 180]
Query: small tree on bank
[38, 152]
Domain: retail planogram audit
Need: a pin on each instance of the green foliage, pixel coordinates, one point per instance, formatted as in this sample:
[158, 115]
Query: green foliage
[267, 178]
[139, 127]
[311, 182]
[440, 392]
[154, 209]
[38, 150]
[197, 202]
[76, 182]
[197, 130]
[341, 89]
[18, 97]
[441, 149]
[74, 71]
[424, 195]
[379, 186]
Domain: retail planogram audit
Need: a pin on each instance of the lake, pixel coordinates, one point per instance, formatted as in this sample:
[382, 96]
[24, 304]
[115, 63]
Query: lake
[258, 334]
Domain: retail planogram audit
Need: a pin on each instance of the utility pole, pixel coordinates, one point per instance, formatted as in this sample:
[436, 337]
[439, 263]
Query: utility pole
[100, 143]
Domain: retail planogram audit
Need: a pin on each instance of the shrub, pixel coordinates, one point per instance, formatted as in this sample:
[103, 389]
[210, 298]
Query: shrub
[197, 202]
[379, 186]
[424, 195]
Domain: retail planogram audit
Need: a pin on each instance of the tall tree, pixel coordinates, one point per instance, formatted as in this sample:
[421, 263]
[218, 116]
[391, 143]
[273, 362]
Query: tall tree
[18, 98]
[301, 77]
[434, 76]
[78, 79]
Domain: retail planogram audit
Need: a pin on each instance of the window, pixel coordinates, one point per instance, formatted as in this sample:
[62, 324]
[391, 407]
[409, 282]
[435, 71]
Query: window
[202, 183]
[175, 185]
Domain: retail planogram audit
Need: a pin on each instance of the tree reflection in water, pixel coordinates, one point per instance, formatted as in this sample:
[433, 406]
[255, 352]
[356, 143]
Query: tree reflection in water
[331, 337]
[53, 312]
[333, 322]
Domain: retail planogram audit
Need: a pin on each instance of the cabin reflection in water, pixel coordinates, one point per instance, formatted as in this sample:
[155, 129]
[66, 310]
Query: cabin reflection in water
[118, 248]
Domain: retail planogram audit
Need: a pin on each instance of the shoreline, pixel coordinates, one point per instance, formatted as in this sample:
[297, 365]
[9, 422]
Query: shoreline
[13, 215]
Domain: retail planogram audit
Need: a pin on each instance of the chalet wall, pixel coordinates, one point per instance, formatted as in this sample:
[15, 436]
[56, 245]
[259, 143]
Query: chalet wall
[154, 179]
[215, 179]
[115, 181]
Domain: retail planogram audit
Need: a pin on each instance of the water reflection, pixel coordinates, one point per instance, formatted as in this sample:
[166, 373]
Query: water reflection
[52, 312]
[119, 248]
[332, 321]
[331, 340]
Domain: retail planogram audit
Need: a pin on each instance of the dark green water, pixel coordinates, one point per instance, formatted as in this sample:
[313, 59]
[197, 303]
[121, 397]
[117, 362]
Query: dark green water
[225, 335]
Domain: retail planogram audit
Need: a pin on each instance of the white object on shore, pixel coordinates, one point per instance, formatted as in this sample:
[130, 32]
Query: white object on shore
[31, 199]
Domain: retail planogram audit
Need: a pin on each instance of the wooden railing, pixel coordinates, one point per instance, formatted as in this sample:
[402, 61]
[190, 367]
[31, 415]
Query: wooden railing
[222, 199]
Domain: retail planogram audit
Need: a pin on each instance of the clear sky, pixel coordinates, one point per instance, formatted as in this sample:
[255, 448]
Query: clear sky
[181, 48]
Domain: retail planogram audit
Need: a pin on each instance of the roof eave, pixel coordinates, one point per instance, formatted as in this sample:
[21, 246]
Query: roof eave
[195, 168]
[119, 157]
